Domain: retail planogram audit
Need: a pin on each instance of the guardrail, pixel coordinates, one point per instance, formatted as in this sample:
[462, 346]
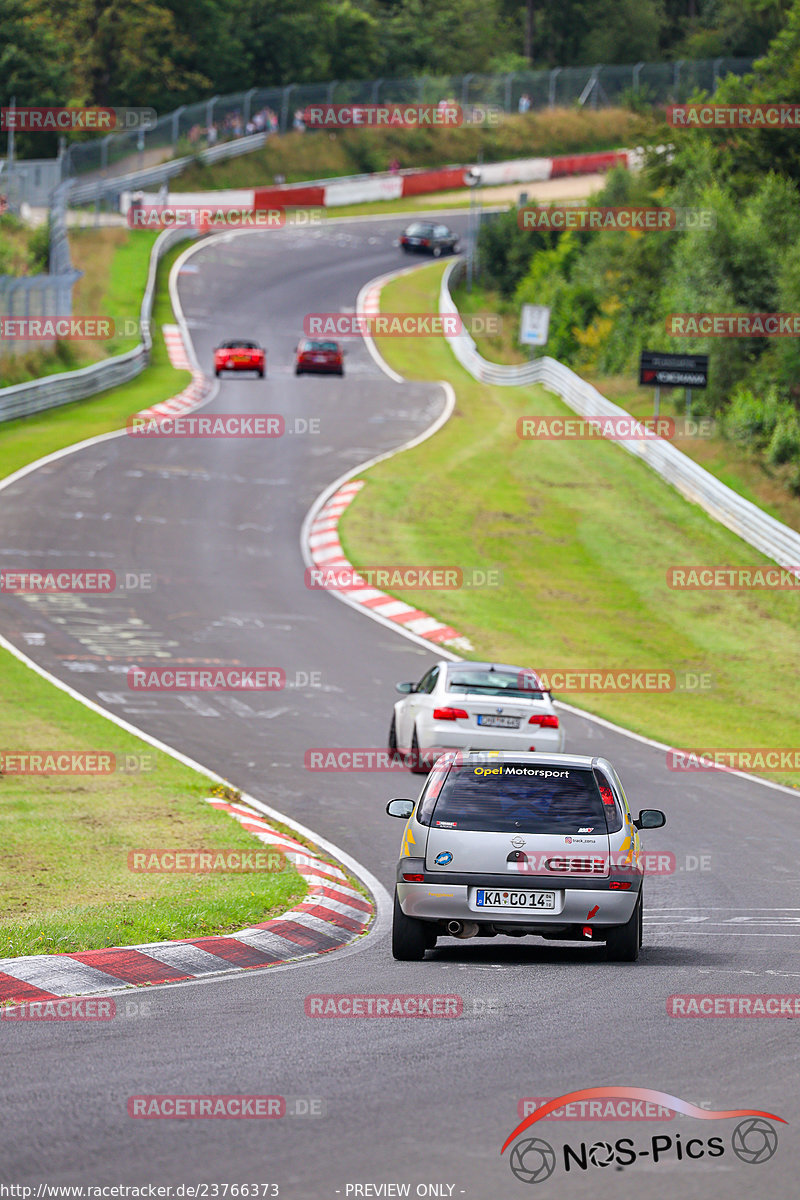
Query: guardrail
[101, 189]
[53, 390]
[774, 539]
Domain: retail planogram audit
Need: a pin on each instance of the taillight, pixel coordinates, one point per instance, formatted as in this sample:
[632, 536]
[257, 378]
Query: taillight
[546, 720]
[617, 885]
[606, 794]
[425, 242]
[414, 878]
[449, 714]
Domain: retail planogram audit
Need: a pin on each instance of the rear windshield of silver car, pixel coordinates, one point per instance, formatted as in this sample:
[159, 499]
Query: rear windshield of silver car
[518, 685]
[520, 798]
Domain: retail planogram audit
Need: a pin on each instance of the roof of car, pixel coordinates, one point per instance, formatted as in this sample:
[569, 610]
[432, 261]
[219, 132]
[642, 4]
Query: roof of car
[484, 666]
[484, 757]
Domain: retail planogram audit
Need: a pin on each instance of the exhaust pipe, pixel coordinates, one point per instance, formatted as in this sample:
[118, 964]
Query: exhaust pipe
[462, 929]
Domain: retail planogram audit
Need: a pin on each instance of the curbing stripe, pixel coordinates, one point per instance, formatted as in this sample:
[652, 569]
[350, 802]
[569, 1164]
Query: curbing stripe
[330, 915]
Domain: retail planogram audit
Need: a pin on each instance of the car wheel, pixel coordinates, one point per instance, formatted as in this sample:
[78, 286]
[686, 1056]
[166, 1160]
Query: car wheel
[622, 943]
[217, 372]
[340, 371]
[641, 919]
[392, 740]
[260, 374]
[416, 766]
[297, 371]
[437, 251]
[409, 937]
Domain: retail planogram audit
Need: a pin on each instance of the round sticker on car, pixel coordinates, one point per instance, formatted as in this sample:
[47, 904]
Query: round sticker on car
[443, 859]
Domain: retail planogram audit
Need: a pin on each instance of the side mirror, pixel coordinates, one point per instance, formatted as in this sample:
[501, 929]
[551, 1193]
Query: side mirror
[400, 808]
[405, 687]
[650, 818]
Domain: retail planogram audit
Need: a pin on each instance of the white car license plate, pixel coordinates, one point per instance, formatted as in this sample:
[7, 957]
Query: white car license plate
[496, 899]
[501, 722]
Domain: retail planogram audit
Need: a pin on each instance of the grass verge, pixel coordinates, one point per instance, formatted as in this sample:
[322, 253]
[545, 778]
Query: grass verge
[114, 263]
[320, 155]
[744, 471]
[582, 534]
[64, 840]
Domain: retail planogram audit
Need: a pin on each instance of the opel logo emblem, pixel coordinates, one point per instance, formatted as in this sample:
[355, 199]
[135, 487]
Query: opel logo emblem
[518, 841]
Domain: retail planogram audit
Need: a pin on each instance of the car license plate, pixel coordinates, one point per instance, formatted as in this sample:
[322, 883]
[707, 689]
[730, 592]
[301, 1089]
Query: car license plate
[501, 722]
[496, 899]
[318, 358]
[241, 358]
[412, 241]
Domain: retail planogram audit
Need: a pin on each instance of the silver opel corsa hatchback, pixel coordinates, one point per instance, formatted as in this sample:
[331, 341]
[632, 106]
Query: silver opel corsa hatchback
[518, 844]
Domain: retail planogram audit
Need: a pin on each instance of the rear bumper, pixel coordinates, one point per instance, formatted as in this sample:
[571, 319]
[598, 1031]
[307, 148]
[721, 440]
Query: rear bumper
[456, 902]
[442, 735]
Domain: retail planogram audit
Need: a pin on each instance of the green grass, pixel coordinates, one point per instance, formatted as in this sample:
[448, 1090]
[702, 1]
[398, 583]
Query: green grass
[64, 840]
[115, 264]
[321, 155]
[744, 471]
[29, 438]
[583, 534]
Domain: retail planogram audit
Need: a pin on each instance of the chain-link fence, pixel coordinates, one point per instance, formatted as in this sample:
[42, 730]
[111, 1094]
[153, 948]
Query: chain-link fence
[193, 127]
[32, 296]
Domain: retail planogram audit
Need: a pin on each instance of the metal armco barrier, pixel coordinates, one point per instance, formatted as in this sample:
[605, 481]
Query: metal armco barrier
[54, 390]
[774, 539]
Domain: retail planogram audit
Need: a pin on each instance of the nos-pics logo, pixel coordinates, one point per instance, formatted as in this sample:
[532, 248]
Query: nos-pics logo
[754, 1139]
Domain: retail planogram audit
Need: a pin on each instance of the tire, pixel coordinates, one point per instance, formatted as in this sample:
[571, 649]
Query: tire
[260, 374]
[297, 371]
[623, 942]
[391, 741]
[217, 372]
[641, 919]
[340, 372]
[437, 251]
[410, 938]
[417, 766]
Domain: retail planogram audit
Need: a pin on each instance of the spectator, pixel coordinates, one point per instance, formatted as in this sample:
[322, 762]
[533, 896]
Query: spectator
[298, 122]
[3, 204]
[211, 135]
[524, 102]
[394, 166]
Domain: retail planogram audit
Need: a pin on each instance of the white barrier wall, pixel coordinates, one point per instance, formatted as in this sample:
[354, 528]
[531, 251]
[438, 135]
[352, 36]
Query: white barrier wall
[774, 539]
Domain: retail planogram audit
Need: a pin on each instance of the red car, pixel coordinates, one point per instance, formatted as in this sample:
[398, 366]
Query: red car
[240, 356]
[315, 355]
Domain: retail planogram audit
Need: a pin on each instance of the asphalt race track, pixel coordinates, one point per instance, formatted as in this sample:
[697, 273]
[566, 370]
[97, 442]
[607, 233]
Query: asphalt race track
[397, 1101]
